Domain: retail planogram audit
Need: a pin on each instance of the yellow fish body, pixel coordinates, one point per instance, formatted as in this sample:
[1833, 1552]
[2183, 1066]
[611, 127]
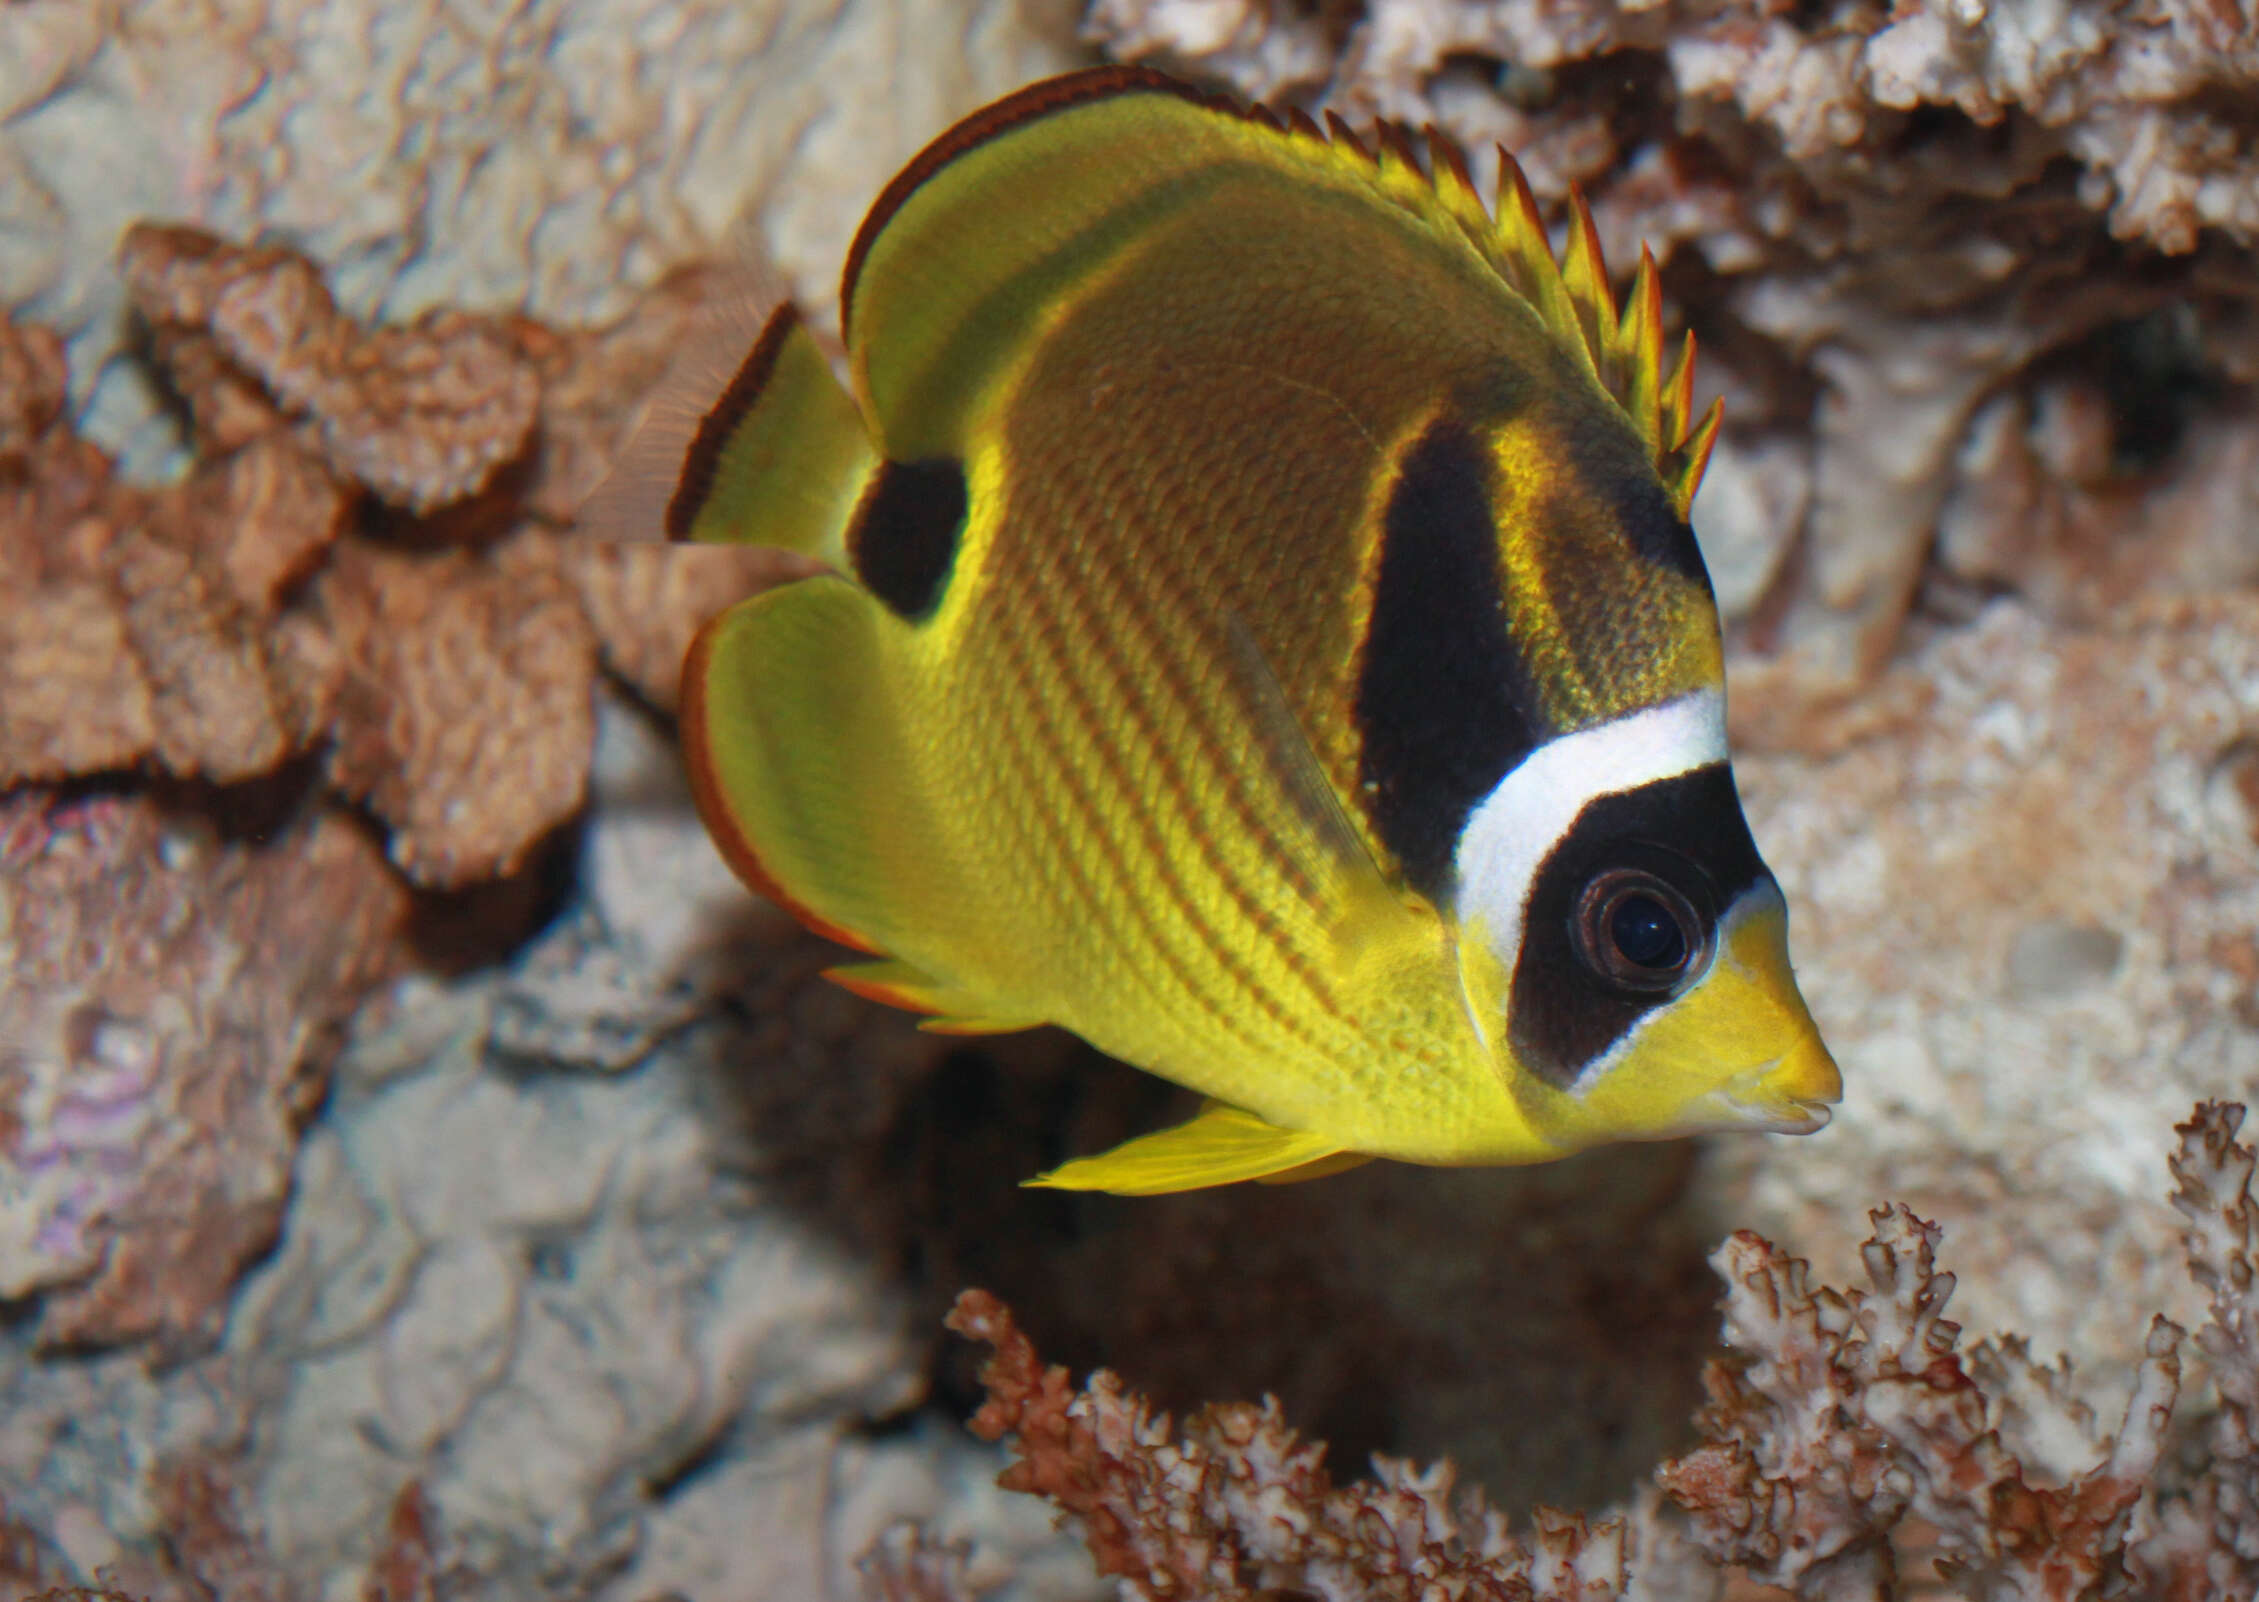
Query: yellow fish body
[1266, 639]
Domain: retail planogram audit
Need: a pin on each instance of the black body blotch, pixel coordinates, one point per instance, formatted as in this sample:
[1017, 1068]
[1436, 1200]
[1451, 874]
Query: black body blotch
[1442, 694]
[904, 537]
[1618, 474]
[1689, 832]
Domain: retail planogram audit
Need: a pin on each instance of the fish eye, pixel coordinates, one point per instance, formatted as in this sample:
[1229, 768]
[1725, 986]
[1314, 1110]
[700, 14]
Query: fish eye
[1637, 932]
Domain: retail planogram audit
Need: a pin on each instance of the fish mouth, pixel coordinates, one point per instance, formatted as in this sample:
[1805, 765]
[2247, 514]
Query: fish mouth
[1792, 1094]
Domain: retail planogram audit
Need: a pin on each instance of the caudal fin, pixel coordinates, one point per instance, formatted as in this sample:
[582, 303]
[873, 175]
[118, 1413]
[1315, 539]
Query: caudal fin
[767, 449]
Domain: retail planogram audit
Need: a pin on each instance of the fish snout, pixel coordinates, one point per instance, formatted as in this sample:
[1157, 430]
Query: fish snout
[1793, 1095]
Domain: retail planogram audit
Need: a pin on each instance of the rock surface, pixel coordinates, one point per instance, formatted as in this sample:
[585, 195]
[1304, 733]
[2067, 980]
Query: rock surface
[555, 159]
[169, 1000]
[2024, 913]
[559, 1255]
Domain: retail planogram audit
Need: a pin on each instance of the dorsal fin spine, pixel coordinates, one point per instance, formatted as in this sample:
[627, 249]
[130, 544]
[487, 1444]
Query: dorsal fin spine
[1526, 257]
[1398, 159]
[1585, 277]
[1682, 471]
[1340, 133]
[1640, 339]
[1456, 185]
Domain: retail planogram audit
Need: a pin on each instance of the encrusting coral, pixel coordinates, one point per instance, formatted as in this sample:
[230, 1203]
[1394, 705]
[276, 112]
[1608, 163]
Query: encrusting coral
[368, 561]
[168, 1009]
[1835, 1418]
[364, 590]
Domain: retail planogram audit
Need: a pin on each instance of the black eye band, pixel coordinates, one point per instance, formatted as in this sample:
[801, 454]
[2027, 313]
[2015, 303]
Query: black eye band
[1622, 916]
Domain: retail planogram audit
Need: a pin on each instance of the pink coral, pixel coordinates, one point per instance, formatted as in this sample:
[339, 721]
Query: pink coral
[1844, 1427]
[1847, 1411]
[1234, 1506]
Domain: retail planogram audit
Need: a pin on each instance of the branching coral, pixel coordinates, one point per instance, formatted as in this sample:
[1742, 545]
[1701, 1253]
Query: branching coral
[1841, 1413]
[1233, 1506]
[1853, 1410]
[1836, 1417]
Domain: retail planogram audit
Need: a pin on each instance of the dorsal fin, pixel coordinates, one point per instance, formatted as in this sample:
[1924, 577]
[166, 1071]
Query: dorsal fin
[1571, 296]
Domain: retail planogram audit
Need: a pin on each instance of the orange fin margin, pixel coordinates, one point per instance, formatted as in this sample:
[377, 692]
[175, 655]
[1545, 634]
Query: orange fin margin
[706, 791]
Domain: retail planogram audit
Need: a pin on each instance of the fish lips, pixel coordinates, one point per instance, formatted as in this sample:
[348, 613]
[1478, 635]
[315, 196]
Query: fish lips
[1793, 1094]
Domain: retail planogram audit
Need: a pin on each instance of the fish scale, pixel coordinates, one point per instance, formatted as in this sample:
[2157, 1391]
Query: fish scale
[1127, 854]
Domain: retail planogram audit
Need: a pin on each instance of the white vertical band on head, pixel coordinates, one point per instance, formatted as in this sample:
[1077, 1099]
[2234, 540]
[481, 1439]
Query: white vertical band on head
[1517, 825]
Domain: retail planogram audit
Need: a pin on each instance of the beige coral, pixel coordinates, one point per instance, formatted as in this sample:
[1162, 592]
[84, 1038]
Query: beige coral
[1851, 1411]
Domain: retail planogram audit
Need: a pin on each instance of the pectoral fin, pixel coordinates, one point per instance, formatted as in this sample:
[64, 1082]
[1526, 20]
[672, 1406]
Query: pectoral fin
[1221, 1146]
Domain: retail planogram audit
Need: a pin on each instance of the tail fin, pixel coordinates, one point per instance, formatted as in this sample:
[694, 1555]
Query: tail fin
[771, 451]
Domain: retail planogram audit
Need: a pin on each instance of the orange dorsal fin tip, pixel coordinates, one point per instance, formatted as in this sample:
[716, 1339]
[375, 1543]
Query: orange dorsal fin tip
[1639, 342]
[1397, 152]
[1678, 397]
[1584, 275]
[1683, 467]
[1698, 449]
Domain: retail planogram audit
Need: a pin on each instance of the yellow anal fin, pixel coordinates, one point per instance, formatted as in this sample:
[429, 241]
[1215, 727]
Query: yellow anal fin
[758, 446]
[956, 1011]
[979, 1026]
[1222, 1146]
[1325, 1167]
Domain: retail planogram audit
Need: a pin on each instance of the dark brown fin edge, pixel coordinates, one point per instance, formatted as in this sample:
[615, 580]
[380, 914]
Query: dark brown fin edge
[701, 464]
[713, 808]
[1021, 106]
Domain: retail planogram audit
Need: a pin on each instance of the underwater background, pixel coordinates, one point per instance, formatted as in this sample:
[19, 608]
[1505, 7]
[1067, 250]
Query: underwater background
[424, 1171]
